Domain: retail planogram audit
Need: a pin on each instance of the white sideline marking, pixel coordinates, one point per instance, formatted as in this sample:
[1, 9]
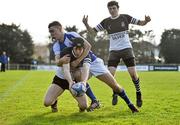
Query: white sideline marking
[13, 87]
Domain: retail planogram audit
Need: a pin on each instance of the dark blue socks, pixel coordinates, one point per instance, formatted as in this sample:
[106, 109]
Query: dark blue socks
[124, 97]
[89, 92]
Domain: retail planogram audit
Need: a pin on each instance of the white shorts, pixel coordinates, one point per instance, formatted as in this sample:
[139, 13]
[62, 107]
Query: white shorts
[97, 67]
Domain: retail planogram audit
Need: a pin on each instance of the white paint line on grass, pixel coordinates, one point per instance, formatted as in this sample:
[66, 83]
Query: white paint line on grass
[13, 87]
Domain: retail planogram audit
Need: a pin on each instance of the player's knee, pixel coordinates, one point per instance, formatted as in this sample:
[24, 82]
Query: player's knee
[116, 89]
[83, 105]
[134, 77]
[47, 102]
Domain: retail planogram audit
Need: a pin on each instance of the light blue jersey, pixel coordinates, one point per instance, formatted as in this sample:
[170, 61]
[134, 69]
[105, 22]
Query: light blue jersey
[60, 45]
[97, 65]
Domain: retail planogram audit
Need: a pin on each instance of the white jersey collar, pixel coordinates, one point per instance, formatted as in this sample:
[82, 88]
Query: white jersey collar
[115, 17]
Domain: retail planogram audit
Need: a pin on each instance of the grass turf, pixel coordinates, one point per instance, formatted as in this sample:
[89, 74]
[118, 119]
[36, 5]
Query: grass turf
[22, 94]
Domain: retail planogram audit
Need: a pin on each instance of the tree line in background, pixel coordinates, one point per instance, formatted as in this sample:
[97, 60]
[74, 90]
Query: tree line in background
[20, 48]
[17, 43]
[170, 46]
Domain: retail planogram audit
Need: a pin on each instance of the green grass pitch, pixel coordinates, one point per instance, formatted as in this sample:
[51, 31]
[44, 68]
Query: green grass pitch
[22, 94]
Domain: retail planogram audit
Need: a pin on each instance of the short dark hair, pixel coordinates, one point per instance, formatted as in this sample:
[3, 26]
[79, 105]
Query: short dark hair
[77, 42]
[112, 3]
[54, 23]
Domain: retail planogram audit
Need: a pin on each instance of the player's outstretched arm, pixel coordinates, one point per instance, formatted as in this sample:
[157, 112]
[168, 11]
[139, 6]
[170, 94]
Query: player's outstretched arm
[88, 27]
[145, 21]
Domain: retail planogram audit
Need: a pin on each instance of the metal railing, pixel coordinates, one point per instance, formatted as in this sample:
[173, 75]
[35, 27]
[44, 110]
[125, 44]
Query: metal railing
[21, 67]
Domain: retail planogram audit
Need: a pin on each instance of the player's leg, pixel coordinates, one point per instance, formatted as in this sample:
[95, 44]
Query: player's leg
[112, 70]
[51, 96]
[113, 61]
[136, 81]
[3, 67]
[100, 71]
[115, 95]
[95, 104]
[82, 102]
[111, 82]
[55, 90]
[129, 60]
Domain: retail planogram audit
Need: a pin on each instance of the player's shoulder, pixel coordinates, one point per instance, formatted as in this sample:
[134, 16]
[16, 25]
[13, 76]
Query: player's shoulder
[125, 15]
[72, 33]
[107, 18]
[56, 47]
[55, 43]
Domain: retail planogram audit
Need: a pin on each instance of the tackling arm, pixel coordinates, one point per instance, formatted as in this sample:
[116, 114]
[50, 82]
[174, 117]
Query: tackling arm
[85, 72]
[64, 60]
[87, 48]
[67, 74]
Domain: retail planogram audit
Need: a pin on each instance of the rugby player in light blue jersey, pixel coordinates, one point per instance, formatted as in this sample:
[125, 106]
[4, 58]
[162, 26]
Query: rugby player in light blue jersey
[61, 41]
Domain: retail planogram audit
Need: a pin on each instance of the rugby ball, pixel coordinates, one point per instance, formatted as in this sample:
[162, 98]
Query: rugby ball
[78, 89]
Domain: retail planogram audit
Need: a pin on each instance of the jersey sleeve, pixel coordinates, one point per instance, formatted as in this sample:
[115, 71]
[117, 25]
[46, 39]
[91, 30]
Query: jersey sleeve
[100, 27]
[87, 59]
[72, 35]
[131, 20]
[56, 48]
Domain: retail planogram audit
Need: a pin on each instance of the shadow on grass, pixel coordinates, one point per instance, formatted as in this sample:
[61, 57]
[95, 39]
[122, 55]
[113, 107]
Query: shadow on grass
[59, 118]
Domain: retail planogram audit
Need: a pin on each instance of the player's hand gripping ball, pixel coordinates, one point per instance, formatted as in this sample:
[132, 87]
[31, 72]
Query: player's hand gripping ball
[78, 89]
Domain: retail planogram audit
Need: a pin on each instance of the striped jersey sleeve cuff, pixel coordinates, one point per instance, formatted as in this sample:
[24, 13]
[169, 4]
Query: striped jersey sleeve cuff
[87, 60]
[99, 27]
[134, 21]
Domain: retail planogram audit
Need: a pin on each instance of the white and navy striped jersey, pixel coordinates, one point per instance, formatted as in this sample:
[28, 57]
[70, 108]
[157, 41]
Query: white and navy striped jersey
[117, 29]
[58, 46]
